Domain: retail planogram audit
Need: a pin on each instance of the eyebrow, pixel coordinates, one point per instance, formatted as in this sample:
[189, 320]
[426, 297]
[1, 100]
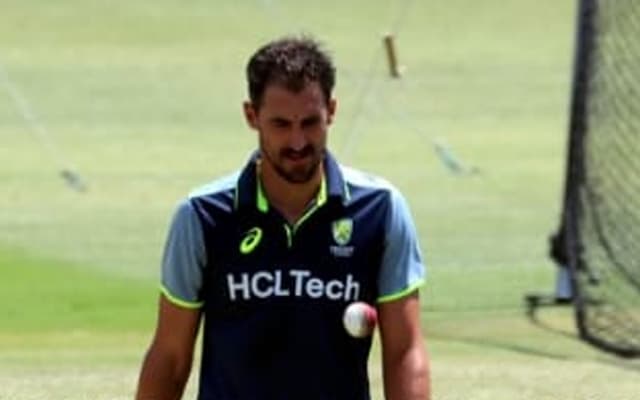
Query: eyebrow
[280, 121]
[310, 120]
[313, 119]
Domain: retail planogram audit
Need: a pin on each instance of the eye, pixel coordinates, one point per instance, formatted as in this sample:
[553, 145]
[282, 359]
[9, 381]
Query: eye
[280, 123]
[310, 122]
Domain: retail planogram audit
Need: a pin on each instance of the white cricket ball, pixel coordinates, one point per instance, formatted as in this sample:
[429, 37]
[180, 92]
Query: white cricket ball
[359, 319]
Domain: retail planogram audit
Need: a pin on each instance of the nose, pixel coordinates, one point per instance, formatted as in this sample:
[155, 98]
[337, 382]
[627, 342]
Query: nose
[297, 139]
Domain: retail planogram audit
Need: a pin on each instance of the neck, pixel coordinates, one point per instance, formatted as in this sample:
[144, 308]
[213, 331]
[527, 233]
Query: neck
[290, 199]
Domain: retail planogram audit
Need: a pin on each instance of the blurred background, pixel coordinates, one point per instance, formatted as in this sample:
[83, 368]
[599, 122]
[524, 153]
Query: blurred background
[111, 112]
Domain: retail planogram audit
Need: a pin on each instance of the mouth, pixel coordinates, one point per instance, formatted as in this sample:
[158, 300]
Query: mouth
[301, 155]
[297, 157]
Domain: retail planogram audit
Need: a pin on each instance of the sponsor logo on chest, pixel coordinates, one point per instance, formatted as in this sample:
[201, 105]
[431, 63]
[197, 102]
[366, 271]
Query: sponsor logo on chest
[290, 283]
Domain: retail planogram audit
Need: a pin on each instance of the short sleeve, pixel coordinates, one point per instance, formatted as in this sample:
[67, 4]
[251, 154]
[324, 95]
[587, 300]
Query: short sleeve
[184, 258]
[402, 270]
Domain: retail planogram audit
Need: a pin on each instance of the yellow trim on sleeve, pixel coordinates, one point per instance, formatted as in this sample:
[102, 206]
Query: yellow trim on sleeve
[401, 294]
[179, 302]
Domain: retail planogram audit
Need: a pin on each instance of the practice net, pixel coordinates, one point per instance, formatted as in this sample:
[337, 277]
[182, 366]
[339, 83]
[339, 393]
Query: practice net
[601, 218]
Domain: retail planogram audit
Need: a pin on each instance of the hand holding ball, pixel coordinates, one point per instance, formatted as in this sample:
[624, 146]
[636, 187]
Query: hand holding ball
[359, 319]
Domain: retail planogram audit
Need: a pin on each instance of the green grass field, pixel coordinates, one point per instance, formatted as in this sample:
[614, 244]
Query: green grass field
[143, 100]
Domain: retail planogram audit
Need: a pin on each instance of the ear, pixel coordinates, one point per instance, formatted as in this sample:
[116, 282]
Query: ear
[250, 114]
[331, 110]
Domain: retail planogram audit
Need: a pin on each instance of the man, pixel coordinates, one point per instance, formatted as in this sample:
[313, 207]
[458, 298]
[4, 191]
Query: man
[272, 255]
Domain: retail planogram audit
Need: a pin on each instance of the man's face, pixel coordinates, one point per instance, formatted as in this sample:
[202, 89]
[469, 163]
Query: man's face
[292, 129]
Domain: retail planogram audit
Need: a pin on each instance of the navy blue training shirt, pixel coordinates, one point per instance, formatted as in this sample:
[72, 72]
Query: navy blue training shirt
[273, 293]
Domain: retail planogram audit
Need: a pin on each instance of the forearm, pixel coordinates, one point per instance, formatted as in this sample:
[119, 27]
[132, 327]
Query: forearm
[161, 378]
[407, 375]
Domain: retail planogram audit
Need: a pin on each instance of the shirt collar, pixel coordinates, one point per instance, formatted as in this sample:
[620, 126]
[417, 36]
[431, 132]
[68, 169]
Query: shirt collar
[249, 191]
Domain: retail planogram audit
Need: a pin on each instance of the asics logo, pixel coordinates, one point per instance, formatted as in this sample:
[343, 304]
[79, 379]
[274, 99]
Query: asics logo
[251, 239]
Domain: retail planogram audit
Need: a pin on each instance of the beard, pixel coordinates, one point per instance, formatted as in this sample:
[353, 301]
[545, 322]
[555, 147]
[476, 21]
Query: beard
[295, 166]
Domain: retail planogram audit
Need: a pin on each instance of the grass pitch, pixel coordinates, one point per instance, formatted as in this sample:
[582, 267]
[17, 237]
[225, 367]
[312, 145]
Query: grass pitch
[143, 99]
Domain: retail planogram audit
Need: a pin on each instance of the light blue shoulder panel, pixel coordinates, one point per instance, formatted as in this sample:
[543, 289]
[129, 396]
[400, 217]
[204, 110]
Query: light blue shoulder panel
[402, 270]
[185, 256]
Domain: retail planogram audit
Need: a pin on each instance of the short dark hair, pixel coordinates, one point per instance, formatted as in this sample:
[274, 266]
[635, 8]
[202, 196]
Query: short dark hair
[291, 62]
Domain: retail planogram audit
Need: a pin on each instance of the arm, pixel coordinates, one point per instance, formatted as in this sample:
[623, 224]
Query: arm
[405, 365]
[167, 365]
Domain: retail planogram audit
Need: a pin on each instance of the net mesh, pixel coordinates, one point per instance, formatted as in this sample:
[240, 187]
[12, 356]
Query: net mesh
[607, 191]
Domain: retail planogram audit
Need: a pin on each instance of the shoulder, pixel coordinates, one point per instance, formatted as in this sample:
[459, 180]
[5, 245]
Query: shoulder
[214, 199]
[365, 188]
[361, 183]
[217, 186]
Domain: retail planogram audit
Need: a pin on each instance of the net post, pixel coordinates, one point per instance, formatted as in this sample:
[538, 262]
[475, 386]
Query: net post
[392, 58]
